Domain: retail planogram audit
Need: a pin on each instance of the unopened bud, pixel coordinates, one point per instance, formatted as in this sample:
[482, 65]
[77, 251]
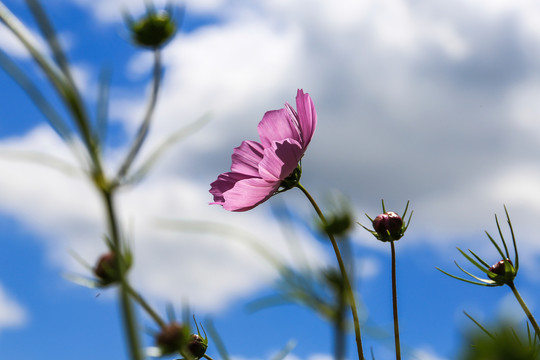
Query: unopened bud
[197, 346]
[106, 269]
[503, 272]
[171, 339]
[388, 226]
[154, 30]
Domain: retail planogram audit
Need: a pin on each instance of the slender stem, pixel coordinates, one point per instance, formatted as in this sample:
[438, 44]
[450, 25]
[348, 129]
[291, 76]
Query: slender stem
[128, 315]
[394, 301]
[145, 125]
[138, 298]
[525, 308]
[207, 357]
[340, 341]
[343, 270]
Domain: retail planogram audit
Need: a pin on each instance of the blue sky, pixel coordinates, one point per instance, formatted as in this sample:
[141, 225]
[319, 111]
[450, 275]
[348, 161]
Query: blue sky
[429, 101]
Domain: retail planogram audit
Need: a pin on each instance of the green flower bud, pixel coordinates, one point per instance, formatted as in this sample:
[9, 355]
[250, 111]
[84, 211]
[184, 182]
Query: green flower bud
[153, 30]
[197, 346]
[171, 339]
[105, 269]
[503, 272]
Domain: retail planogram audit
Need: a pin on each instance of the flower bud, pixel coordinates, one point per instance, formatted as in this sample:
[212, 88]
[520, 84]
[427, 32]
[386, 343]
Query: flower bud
[153, 30]
[197, 346]
[171, 339]
[388, 226]
[105, 269]
[503, 272]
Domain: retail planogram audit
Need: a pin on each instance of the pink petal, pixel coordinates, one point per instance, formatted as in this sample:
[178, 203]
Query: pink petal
[246, 158]
[277, 125]
[248, 193]
[307, 116]
[280, 160]
[224, 183]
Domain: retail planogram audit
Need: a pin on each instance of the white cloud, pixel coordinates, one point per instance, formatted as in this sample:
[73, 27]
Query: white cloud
[12, 314]
[210, 268]
[416, 101]
[367, 267]
[426, 354]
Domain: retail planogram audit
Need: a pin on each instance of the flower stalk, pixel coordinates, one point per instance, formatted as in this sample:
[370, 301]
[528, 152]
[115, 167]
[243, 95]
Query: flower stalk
[390, 227]
[126, 306]
[526, 310]
[394, 302]
[343, 270]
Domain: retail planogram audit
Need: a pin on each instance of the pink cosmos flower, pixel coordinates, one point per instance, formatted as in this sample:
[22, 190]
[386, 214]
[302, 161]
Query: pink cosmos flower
[259, 169]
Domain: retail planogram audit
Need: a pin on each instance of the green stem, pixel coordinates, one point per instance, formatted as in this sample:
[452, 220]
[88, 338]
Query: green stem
[154, 315]
[525, 308]
[343, 270]
[128, 315]
[394, 301]
[145, 125]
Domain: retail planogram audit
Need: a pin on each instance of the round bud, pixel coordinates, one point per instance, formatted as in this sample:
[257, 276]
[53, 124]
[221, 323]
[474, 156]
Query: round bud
[170, 339]
[105, 269]
[154, 30]
[499, 268]
[197, 346]
[388, 226]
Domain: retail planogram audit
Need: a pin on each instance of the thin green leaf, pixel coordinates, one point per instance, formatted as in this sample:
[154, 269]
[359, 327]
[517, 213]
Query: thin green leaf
[171, 314]
[479, 259]
[154, 156]
[50, 36]
[102, 108]
[516, 260]
[285, 351]
[495, 244]
[82, 281]
[217, 341]
[502, 238]
[462, 279]
[70, 91]
[63, 86]
[485, 281]
[42, 159]
[472, 261]
[480, 326]
[37, 97]
[406, 208]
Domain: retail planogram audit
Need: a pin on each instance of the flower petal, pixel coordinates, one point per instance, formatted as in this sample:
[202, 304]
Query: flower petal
[224, 183]
[307, 116]
[277, 125]
[246, 158]
[280, 160]
[248, 193]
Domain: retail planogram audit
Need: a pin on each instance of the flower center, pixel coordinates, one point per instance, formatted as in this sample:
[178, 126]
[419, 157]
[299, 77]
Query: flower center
[292, 180]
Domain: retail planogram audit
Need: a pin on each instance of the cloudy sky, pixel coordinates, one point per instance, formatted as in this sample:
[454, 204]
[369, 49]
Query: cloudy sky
[435, 102]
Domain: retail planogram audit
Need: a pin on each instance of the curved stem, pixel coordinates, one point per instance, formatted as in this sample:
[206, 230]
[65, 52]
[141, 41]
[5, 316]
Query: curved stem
[394, 301]
[340, 342]
[525, 309]
[138, 298]
[344, 274]
[128, 315]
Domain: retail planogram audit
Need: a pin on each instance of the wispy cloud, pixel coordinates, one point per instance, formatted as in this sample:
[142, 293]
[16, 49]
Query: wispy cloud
[417, 101]
[12, 313]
